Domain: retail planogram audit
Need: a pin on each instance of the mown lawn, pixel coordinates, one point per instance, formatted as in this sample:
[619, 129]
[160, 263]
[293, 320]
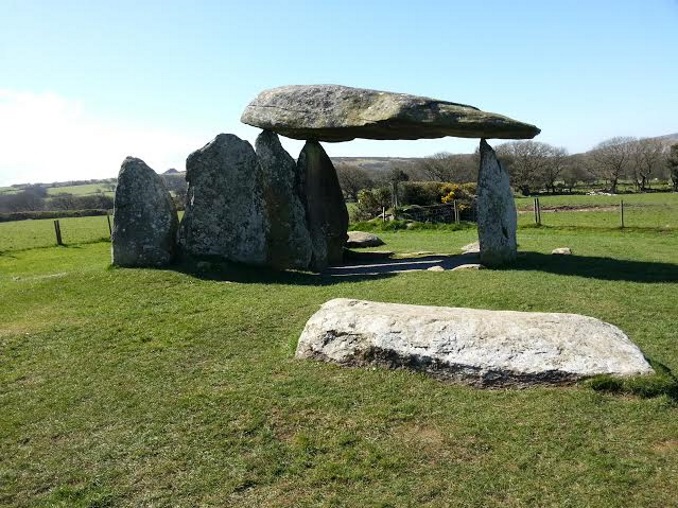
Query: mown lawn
[123, 387]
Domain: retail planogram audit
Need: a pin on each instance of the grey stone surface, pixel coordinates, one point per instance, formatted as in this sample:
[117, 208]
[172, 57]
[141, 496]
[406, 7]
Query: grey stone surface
[563, 251]
[471, 248]
[479, 347]
[435, 268]
[145, 219]
[341, 113]
[326, 211]
[289, 238]
[360, 239]
[468, 266]
[497, 215]
[225, 213]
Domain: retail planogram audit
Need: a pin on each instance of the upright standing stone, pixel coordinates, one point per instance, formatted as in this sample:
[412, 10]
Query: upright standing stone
[325, 207]
[289, 238]
[145, 218]
[497, 216]
[225, 214]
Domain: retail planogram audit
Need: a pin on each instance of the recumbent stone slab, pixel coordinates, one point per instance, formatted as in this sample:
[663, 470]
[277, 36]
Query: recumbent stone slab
[340, 113]
[479, 347]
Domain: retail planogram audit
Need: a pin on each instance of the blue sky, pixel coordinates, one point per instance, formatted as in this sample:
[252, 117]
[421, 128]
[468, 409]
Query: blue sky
[84, 84]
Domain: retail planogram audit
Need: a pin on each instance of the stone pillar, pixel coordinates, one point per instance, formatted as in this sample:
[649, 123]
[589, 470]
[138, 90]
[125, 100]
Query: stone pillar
[326, 211]
[289, 242]
[225, 214]
[145, 218]
[497, 216]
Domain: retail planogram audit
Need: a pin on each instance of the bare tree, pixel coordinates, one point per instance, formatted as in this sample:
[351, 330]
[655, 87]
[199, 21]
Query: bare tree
[554, 166]
[648, 158]
[613, 158]
[352, 179]
[672, 163]
[527, 163]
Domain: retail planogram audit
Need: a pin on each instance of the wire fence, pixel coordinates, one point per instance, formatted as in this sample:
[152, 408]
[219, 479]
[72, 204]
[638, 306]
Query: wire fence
[29, 234]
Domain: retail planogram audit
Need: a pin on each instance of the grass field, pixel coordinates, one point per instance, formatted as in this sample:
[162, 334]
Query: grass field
[123, 387]
[80, 190]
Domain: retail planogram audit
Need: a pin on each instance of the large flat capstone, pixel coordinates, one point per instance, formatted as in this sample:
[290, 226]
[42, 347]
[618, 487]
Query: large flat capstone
[478, 347]
[340, 113]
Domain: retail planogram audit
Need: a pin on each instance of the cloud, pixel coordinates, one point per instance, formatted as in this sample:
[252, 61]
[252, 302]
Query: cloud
[45, 137]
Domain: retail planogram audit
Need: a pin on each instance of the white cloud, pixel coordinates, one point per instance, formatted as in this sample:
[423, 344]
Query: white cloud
[45, 137]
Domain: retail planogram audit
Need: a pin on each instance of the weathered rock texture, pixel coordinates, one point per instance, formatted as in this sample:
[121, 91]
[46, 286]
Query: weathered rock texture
[145, 219]
[479, 347]
[289, 238]
[225, 213]
[360, 239]
[326, 211]
[497, 215]
[340, 113]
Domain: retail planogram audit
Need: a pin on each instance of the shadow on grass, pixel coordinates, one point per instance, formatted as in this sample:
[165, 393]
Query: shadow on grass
[598, 267]
[662, 382]
[217, 270]
[358, 266]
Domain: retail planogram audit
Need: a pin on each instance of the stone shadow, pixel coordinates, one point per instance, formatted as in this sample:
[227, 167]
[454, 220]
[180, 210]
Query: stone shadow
[381, 263]
[598, 267]
[225, 271]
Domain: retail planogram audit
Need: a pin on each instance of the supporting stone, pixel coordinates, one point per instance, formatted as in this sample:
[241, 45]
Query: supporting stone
[497, 216]
[225, 213]
[289, 239]
[145, 218]
[326, 211]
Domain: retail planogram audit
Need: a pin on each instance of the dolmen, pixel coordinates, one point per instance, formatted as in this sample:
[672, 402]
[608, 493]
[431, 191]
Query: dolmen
[257, 205]
[483, 348]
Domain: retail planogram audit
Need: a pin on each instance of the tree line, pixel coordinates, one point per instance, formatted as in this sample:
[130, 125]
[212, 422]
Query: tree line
[535, 167]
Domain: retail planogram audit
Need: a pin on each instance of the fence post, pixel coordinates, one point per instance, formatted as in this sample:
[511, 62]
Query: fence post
[539, 211]
[57, 232]
[621, 207]
[110, 231]
[456, 212]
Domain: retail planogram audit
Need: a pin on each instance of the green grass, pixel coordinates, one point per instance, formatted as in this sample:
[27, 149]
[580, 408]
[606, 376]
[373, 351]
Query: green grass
[80, 190]
[29, 234]
[123, 387]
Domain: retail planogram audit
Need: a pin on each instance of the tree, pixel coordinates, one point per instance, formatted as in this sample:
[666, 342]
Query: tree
[648, 155]
[553, 167]
[447, 167]
[395, 176]
[613, 158]
[527, 163]
[352, 179]
[672, 163]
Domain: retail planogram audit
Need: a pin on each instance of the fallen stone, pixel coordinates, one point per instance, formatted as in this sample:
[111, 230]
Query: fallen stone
[340, 113]
[435, 268]
[471, 248]
[326, 211]
[289, 238]
[360, 239]
[563, 251]
[497, 215]
[479, 347]
[225, 213]
[468, 266]
[145, 219]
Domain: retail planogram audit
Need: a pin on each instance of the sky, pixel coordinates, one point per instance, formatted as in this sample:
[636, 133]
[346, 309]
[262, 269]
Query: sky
[85, 84]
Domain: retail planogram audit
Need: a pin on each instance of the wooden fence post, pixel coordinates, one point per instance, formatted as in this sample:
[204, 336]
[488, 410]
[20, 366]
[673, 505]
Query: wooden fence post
[621, 208]
[57, 231]
[456, 211]
[110, 231]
